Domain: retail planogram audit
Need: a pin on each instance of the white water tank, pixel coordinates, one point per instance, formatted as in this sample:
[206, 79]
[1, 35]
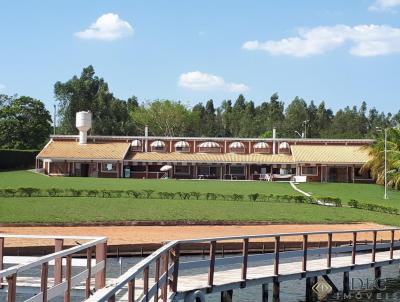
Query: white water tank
[83, 123]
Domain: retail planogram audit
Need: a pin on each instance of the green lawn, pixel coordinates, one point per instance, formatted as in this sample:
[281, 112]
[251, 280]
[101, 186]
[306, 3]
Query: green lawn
[69, 209]
[85, 209]
[16, 179]
[366, 193]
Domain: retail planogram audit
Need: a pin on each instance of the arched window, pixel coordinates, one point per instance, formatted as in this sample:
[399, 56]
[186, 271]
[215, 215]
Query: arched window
[237, 147]
[209, 147]
[158, 146]
[262, 147]
[182, 146]
[136, 145]
[284, 147]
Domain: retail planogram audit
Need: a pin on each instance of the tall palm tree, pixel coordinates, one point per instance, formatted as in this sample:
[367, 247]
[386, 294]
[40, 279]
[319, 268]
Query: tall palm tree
[377, 162]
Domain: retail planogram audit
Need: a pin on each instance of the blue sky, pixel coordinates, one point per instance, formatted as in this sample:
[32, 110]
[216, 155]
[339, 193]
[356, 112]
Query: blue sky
[343, 52]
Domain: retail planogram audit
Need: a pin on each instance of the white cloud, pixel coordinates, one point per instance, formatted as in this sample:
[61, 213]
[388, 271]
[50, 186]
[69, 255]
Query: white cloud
[384, 5]
[367, 40]
[107, 27]
[2, 86]
[197, 80]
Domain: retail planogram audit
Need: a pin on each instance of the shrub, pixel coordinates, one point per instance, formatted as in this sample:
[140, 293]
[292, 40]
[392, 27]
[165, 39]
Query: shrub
[211, 196]
[184, 195]
[354, 203]
[54, 192]
[196, 195]
[133, 193]
[166, 195]
[28, 192]
[75, 192]
[92, 193]
[116, 193]
[106, 193]
[9, 192]
[253, 197]
[148, 193]
[237, 197]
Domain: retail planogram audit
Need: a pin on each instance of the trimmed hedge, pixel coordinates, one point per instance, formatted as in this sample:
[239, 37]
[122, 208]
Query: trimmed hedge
[17, 159]
[151, 194]
[373, 207]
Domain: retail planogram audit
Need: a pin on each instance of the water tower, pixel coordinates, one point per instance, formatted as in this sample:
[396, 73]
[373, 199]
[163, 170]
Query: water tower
[83, 123]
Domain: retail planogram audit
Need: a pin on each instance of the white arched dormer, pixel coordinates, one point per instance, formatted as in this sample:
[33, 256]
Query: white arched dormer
[237, 147]
[158, 146]
[182, 146]
[209, 147]
[136, 145]
[262, 147]
[284, 147]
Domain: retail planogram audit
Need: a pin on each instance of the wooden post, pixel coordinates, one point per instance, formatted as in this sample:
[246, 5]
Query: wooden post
[374, 246]
[378, 275]
[1, 258]
[304, 263]
[391, 244]
[58, 246]
[275, 284]
[89, 269]
[308, 289]
[101, 255]
[265, 292]
[213, 246]
[43, 280]
[245, 257]
[12, 288]
[275, 289]
[146, 283]
[227, 296]
[157, 278]
[329, 255]
[346, 283]
[68, 275]
[131, 290]
[276, 260]
[354, 250]
[164, 288]
[175, 262]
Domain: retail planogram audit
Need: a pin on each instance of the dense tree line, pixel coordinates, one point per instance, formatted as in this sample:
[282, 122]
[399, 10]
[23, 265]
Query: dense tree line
[26, 124]
[238, 118]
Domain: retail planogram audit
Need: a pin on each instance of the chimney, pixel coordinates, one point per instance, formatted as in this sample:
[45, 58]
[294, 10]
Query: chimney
[83, 123]
[273, 140]
[146, 134]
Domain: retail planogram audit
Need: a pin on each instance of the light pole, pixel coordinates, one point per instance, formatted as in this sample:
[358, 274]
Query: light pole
[305, 128]
[385, 196]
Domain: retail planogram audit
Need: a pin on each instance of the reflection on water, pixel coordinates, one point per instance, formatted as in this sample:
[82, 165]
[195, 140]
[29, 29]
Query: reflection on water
[291, 291]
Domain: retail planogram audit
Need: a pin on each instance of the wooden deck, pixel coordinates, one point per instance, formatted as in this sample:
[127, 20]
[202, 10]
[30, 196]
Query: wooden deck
[163, 277]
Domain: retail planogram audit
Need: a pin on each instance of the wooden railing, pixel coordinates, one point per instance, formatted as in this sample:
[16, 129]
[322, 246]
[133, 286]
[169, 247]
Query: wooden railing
[171, 266]
[61, 258]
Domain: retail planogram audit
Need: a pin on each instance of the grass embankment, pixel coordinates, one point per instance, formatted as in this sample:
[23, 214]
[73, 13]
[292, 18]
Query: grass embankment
[84, 209]
[92, 209]
[365, 193]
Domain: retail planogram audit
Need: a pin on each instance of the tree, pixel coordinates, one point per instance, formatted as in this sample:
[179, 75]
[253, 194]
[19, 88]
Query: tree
[377, 162]
[25, 123]
[296, 114]
[164, 117]
[89, 92]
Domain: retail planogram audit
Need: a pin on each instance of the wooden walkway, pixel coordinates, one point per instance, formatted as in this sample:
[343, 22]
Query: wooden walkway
[163, 277]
